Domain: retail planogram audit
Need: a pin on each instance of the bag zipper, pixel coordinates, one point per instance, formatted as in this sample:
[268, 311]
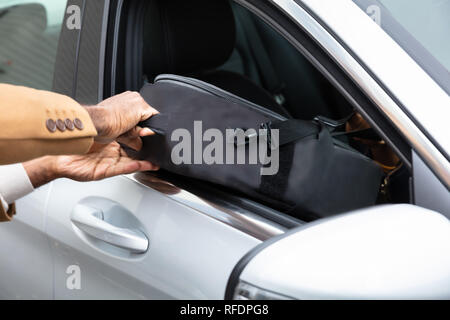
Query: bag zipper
[218, 93]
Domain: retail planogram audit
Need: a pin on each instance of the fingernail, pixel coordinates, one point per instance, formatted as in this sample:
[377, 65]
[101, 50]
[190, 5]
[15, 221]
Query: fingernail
[145, 132]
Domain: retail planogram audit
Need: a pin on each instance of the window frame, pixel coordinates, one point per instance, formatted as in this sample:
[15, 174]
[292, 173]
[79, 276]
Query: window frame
[400, 96]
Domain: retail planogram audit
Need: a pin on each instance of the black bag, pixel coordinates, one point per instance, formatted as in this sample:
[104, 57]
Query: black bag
[318, 175]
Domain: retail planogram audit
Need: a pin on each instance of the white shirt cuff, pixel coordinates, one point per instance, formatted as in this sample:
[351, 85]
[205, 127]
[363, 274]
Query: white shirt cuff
[14, 184]
[4, 204]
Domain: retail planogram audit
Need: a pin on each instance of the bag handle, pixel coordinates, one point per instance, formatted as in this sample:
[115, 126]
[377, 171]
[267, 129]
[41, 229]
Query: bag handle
[159, 123]
[290, 131]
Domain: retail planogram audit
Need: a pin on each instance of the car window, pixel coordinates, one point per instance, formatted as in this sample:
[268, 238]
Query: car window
[29, 33]
[421, 28]
[273, 63]
[248, 58]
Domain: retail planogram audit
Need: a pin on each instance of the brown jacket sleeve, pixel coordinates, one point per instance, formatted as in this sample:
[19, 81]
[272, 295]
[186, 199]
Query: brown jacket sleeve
[34, 123]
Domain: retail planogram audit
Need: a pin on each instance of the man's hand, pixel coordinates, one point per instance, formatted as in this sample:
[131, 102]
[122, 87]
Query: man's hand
[103, 161]
[116, 118]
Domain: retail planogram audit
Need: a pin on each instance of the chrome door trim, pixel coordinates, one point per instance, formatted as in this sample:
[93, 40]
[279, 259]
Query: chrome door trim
[237, 218]
[417, 139]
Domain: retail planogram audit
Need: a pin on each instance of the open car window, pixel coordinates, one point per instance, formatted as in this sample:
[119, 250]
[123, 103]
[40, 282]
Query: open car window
[241, 54]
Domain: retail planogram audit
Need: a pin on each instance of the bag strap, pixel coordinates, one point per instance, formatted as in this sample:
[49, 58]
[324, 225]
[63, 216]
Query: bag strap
[294, 129]
[333, 124]
[158, 123]
[368, 134]
[290, 131]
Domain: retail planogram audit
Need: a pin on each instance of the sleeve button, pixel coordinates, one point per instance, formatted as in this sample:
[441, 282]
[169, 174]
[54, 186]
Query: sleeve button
[60, 125]
[78, 124]
[51, 125]
[69, 124]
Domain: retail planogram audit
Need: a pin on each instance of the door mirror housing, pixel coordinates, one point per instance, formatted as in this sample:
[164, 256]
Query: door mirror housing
[384, 252]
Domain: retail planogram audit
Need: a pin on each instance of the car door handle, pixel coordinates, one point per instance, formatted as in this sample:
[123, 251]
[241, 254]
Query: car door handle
[90, 220]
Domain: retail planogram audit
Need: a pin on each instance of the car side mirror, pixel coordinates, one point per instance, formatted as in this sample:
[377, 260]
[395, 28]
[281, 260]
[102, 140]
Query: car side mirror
[384, 252]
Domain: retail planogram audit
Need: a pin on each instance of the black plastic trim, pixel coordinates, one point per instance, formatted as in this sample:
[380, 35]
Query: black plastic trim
[103, 49]
[77, 54]
[110, 68]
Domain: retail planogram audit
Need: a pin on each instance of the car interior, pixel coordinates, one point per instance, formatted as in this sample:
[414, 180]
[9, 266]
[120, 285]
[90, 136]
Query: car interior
[229, 46]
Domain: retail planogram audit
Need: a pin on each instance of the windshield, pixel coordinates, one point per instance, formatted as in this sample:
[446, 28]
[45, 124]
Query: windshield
[421, 28]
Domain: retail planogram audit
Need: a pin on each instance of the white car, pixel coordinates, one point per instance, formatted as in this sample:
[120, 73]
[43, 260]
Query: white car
[161, 236]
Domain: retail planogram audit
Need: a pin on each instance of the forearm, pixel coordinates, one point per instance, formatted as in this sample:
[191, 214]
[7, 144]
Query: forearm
[100, 120]
[41, 171]
[35, 123]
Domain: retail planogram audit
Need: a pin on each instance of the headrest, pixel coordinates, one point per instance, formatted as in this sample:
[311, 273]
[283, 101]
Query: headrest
[187, 36]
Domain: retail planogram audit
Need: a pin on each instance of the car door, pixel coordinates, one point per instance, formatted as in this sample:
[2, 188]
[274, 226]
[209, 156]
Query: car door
[146, 236]
[137, 236]
[368, 56]
[29, 33]
[192, 244]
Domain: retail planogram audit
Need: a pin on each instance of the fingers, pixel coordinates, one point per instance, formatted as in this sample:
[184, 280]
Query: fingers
[131, 166]
[147, 166]
[145, 132]
[118, 114]
[116, 162]
[132, 138]
[104, 161]
[142, 164]
[147, 110]
[133, 143]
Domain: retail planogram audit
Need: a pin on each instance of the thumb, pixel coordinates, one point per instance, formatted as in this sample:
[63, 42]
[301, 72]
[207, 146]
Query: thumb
[147, 112]
[132, 139]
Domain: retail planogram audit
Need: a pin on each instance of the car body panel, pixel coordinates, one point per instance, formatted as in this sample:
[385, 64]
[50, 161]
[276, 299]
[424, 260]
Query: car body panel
[190, 255]
[26, 264]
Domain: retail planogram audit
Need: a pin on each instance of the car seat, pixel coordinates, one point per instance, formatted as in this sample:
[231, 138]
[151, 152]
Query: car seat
[194, 38]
